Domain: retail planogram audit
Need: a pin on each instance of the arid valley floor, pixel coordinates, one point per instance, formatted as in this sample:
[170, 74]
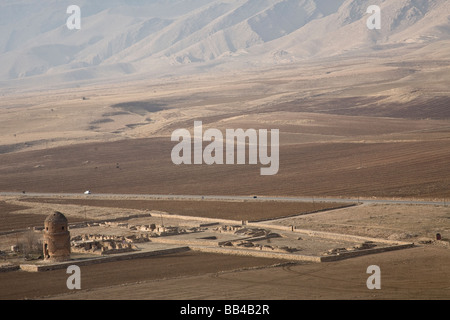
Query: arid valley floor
[360, 129]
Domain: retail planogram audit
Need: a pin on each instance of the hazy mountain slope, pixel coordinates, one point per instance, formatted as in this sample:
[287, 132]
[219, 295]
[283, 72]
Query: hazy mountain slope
[127, 37]
[402, 22]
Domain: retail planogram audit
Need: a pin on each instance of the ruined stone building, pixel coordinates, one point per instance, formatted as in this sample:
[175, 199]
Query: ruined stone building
[56, 243]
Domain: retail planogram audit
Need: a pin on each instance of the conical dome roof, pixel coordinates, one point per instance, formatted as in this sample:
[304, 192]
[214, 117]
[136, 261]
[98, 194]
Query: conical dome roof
[56, 217]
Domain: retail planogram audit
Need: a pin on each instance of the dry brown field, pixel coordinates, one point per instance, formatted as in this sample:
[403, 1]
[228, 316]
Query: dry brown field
[416, 274]
[415, 169]
[356, 127]
[10, 221]
[350, 128]
[25, 285]
[232, 210]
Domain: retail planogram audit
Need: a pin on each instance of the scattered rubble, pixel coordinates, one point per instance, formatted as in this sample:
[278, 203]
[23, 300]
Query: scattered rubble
[101, 244]
[363, 246]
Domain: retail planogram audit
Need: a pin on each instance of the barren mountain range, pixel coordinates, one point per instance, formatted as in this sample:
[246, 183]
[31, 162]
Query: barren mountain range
[121, 38]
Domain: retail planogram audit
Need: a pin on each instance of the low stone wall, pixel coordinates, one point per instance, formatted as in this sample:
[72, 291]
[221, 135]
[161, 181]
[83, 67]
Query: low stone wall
[173, 240]
[119, 219]
[210, 249]
[299, 257]
[8, 268]
[357, 253]
[209, 220]
[4, 233]
[328, 235]
[258, 254]
[104, 259]
[28, 267]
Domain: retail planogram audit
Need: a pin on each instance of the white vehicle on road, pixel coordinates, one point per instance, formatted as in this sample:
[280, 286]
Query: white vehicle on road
[87, 192]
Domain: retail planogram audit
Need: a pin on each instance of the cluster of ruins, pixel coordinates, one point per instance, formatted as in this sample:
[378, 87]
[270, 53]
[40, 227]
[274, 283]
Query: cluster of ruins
[101, 244]
[362, 246]
[154, 229]
[139, 235]
[252, 236]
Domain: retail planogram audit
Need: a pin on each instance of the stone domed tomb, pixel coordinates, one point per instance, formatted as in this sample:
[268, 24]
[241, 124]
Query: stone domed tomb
[56, 243]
